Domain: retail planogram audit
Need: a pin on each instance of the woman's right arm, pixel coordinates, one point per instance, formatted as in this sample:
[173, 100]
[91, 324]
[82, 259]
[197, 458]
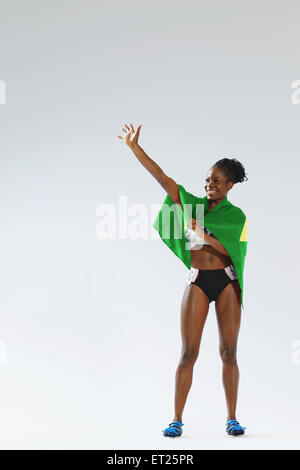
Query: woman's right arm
[169, 185]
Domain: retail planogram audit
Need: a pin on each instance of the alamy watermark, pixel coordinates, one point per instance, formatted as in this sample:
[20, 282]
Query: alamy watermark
[295, 357]
[295, 96]
[2, 92]
[135, 221]
[3, 354]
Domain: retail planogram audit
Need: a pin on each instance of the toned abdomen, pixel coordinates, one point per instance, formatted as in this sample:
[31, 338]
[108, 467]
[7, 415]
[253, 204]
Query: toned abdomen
[209, 258]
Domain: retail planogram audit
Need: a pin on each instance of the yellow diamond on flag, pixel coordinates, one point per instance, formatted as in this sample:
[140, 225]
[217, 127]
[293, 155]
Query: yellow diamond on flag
[244, 234]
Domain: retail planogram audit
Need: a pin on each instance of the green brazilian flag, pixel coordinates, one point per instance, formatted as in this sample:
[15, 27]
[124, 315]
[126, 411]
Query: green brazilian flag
[226, 222]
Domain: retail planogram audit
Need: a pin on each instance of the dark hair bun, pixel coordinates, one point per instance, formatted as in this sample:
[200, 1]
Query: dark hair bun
[233, 169]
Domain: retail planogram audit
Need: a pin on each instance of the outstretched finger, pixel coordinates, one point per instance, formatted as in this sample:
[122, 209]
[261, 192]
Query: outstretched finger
[137, 132]
[132, 127]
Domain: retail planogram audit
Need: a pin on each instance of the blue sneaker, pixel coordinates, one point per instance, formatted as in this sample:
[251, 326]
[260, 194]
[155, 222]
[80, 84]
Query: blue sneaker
[233, 428]
[174, 429]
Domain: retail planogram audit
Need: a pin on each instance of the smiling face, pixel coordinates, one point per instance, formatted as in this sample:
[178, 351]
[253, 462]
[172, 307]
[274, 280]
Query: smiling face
[216, 184]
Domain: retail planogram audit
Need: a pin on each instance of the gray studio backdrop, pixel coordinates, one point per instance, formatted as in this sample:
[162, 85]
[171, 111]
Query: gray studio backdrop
[90, 328]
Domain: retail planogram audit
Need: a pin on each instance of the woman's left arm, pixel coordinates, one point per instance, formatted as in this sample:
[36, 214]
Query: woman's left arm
[208, 238]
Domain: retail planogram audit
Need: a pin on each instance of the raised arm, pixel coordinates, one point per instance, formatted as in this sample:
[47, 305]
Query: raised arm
[165, 181]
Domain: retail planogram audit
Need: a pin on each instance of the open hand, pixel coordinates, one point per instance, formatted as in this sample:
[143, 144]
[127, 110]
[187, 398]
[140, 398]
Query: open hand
[130, 134]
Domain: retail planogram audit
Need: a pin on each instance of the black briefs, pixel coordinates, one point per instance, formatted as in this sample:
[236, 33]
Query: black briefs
[211, 281]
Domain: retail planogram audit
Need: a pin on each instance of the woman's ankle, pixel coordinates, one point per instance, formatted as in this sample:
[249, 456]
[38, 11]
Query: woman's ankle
[177, 419]
[232, 417]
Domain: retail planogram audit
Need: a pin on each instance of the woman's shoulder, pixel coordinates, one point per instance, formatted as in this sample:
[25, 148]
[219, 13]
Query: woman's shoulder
[237, 210]
[189, 196]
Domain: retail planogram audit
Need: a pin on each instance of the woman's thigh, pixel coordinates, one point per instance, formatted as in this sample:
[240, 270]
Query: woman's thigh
[194, 310]
[228, 310]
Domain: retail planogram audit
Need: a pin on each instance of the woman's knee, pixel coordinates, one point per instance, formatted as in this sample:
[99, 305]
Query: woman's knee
[189, 356]
[228, 354]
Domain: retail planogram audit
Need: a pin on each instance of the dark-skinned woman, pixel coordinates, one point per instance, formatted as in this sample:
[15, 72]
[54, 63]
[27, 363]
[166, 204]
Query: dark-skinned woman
[216, 274]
